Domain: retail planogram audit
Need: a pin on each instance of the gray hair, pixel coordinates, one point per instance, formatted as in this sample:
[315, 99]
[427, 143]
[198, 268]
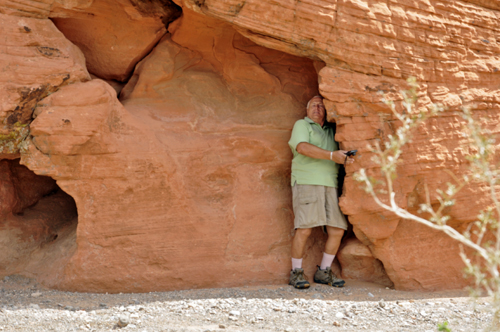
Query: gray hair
[309, 102]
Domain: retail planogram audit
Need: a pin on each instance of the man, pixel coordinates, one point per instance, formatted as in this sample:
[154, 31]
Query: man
[314, 187]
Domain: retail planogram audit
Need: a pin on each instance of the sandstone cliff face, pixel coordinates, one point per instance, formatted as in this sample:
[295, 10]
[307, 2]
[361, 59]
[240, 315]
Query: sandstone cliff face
[181, 174]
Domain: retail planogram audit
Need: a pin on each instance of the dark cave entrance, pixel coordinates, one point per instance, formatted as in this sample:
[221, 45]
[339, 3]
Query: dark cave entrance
[38, 221]
[349, 233]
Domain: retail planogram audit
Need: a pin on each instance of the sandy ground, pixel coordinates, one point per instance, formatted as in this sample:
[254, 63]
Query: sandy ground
[27, 306]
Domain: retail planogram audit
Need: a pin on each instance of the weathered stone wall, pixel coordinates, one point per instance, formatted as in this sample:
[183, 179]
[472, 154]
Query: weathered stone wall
[451, 47]
[180, 171]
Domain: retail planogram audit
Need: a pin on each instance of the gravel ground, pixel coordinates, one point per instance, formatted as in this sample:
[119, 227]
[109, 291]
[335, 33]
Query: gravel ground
[26, 306]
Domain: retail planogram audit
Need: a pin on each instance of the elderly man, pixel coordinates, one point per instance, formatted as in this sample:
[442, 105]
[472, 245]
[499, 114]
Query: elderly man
[314, 187]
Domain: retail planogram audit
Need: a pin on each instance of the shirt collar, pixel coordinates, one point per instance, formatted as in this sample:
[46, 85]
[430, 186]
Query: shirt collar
[326, 124]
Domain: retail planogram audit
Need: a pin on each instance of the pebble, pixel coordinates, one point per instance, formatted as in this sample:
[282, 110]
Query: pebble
[123, 320]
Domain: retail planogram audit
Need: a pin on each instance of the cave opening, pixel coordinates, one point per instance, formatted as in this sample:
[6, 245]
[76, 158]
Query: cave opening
[38, 221]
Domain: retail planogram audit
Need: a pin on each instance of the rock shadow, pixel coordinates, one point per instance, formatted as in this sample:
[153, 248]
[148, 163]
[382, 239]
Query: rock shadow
[38, 222]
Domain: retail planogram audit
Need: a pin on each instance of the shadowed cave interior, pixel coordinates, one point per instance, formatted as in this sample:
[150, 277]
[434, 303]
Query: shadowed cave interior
[37, 221]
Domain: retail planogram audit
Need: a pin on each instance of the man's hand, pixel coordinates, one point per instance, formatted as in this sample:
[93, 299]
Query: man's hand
[339, 157]
[313, 151]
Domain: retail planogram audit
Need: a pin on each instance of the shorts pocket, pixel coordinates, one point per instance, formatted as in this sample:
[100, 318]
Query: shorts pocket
[307, 199]
[307, 195]
[307, 206]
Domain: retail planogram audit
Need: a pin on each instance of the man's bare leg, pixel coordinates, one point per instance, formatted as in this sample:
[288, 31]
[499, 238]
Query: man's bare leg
[334, 237]
[331, 246]
[299, 242]
[297, 277]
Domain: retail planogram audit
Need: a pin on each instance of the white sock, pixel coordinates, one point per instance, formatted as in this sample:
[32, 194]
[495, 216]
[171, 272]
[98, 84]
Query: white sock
[326, 261]
[296, 263]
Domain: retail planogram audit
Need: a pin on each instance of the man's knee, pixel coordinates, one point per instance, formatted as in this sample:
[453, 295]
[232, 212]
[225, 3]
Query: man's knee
[334, 231]
[303, 232]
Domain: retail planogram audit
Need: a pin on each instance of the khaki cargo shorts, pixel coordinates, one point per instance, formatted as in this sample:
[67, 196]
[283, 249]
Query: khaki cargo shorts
[316, 206]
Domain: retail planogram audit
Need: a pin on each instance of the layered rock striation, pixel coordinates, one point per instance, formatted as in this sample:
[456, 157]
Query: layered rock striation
[171, 133]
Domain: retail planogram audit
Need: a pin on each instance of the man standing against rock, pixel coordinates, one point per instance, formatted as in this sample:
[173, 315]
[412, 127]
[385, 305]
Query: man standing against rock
[314, 186]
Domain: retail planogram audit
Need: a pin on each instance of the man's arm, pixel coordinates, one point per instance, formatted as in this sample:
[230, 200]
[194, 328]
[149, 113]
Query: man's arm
[312, 151]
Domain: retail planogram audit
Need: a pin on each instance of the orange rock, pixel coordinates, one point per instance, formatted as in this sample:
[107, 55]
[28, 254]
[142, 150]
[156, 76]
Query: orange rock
[358, 263]
[405, 266]
[30, 8]
[370, 47]
[114, 35]
[181, 177]
[35, 60]
[194, 165]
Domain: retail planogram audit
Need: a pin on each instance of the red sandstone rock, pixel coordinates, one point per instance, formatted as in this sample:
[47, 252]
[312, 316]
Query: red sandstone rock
[7, 190]
[370, 47]
[114, 35]
[358, 263]
[29, 8]
[35, 60]
[198, 163]
[180, 169]
[196, 166]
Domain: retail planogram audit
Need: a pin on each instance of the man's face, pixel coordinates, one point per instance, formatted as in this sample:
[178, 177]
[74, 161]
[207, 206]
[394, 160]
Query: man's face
[316, 111]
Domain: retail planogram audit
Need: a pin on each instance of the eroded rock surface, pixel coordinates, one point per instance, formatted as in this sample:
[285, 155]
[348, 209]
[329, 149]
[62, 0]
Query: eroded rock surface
[190, 162]
[35, 60]
[113, 35]
[358, 263]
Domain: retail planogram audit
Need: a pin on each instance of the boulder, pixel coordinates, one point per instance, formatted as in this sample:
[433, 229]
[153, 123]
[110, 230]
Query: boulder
[358, 263]
[113, 35]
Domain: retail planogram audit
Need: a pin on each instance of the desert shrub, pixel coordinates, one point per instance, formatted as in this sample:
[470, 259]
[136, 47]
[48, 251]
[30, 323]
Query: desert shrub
[480, 243]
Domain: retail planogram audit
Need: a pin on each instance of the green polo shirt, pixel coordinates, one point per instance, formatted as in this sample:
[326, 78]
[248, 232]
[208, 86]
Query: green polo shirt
[306, 170]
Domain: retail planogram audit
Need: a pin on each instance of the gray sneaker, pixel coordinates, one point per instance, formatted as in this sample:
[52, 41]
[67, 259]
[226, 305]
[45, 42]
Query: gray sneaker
[327, 277]
[298, 279]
